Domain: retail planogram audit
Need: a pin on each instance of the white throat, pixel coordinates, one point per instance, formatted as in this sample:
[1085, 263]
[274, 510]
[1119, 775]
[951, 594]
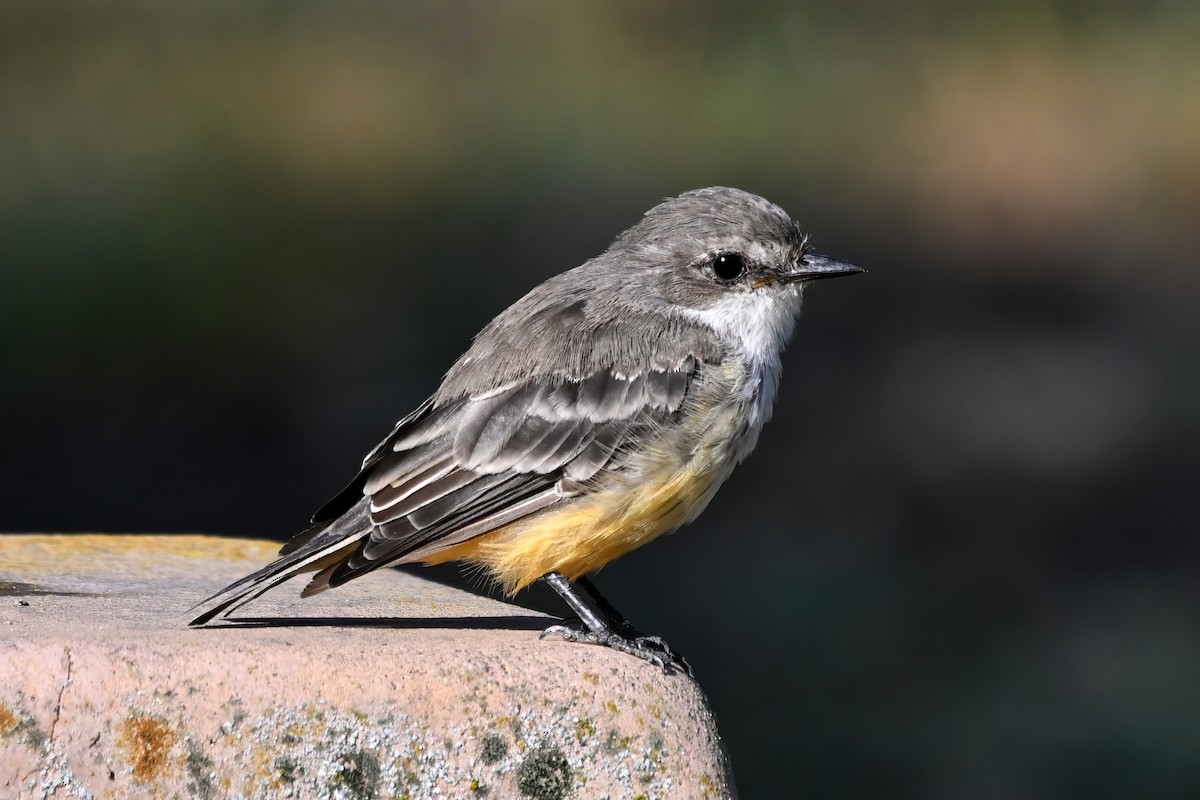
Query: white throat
[756, 325]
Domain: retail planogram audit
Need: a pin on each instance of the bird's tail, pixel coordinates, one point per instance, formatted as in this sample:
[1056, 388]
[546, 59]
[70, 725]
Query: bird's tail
[311, 550]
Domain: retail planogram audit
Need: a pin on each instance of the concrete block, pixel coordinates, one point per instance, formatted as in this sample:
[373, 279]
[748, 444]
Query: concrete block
[389, 687]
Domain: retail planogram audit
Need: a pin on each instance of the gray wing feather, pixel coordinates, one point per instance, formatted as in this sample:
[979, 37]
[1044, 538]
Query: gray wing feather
[481, 488]
[396, 485]
[599, 451]
[551, 451]
[511, 512]
[508, 431]
[665, 389]
[426, 496]
[439, 523]
[594, 391]
[523, 447]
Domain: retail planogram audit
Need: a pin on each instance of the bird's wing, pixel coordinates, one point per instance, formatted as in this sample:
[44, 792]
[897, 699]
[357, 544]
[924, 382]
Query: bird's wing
[479, 463]
[456, 470]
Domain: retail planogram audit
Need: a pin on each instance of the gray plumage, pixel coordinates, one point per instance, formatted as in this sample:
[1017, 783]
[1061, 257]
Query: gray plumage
[561, 388]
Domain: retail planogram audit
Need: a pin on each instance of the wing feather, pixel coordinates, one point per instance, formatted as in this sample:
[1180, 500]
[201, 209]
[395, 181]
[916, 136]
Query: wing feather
[541, 438]
[592, 458]
[548, 454]
[437, 510]
[385, 494]
[665, 388]
[427, 496]
[453, 512]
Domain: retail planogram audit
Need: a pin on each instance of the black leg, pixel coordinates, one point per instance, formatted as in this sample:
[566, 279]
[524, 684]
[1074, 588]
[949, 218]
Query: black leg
[590, 613]
[600, 623]
[615, 618]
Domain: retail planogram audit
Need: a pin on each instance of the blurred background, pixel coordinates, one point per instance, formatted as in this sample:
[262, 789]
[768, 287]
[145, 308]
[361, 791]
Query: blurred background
[238, 241]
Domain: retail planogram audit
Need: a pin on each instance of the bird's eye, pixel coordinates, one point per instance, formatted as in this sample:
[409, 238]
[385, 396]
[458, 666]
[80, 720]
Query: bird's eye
[728, 266]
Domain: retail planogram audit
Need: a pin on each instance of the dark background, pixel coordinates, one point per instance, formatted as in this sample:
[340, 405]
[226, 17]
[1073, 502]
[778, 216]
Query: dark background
[238, 241]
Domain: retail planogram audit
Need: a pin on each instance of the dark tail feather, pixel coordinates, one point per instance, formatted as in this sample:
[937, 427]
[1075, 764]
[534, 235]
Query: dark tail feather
[236, 601]
[315, 543]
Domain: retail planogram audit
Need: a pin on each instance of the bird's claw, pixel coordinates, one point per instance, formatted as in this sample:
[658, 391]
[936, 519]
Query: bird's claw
[647, 648]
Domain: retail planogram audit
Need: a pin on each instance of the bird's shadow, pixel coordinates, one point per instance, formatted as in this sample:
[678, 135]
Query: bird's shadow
[504, 623]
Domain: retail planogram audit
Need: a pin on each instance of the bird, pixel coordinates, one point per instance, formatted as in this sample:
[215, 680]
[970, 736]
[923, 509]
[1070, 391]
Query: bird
[600, 411]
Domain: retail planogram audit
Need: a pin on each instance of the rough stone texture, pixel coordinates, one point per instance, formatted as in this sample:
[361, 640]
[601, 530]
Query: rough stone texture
[390, 687]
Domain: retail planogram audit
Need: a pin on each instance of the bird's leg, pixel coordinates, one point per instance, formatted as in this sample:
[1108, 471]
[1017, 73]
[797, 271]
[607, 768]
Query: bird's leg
[615, 618]
[623, 626]
[600, 623]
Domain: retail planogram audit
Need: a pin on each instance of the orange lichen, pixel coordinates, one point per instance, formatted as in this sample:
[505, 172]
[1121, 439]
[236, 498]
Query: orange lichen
[98, 553]
[8, 720]
[147, 742]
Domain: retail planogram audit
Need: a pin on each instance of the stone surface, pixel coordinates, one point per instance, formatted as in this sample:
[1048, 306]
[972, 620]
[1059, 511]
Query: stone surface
[389, 687]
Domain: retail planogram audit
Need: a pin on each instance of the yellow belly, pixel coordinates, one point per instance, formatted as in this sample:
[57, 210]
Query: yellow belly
[589, 531]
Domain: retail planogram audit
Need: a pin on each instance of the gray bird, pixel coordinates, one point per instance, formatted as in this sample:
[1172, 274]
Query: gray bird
[601, 410]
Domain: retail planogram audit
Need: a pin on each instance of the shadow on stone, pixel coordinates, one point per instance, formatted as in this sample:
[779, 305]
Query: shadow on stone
[514, 623]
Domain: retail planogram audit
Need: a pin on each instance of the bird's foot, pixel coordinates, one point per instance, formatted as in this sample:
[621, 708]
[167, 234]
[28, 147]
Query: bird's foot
[647, 648]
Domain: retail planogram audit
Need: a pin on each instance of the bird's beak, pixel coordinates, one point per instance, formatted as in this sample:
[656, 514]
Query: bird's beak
[814, 267]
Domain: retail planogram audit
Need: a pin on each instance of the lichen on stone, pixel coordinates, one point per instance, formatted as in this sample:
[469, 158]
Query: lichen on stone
[147, 741]
[359, 774]
[492, 749]
[545, 774]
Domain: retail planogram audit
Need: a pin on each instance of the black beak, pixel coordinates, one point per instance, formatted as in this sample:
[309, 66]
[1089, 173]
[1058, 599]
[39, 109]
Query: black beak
[814, 267]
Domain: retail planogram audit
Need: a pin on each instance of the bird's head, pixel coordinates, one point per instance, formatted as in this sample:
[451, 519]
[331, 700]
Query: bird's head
[725, 257]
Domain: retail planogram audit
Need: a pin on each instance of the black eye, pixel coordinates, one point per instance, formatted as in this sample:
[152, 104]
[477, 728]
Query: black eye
[728, 266]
